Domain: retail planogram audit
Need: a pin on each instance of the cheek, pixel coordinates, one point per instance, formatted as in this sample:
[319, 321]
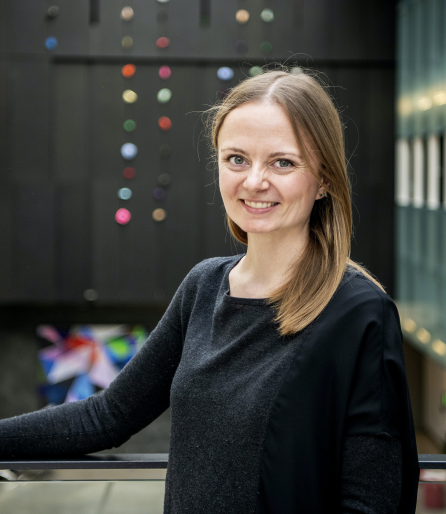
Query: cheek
[302, 193]
[227, 184]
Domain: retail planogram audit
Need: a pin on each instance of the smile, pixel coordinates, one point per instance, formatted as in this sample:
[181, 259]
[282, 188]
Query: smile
[259, 205]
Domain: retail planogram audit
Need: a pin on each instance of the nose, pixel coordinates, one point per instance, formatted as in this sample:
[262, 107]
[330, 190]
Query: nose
[256, 179]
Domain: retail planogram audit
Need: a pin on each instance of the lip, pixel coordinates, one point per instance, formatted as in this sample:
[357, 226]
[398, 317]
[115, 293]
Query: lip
[252, 210]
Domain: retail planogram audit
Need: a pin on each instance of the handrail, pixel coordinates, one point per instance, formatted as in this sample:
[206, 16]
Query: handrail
[94, 461]
[137, 466]
[147, 461]
[432, 461]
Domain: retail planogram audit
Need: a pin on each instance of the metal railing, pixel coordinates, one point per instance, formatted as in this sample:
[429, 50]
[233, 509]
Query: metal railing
[104, 465]
[126, 466]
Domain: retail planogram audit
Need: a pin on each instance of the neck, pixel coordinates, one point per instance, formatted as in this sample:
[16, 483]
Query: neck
[269, 258]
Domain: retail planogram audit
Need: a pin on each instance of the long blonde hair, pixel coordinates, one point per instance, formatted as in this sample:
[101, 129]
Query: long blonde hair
[316, 275]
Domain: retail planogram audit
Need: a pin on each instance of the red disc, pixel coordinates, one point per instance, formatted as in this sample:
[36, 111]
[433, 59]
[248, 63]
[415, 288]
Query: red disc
[162, 42]
[129, 173]
[128, 70]
[165, 123]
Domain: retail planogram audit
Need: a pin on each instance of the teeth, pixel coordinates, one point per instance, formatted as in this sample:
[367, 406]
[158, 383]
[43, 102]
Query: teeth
[259, 205]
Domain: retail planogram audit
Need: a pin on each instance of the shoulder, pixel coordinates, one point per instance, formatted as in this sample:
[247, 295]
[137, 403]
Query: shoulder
[210, 271]
[358, 294]
[201, 285]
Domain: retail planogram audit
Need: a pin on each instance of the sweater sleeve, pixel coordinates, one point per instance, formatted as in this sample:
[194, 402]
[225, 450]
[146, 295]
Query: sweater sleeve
[138, 395]
[371, 474]
[379, 399]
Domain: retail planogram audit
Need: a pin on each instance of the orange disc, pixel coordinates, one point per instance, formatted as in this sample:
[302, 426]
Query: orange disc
[164, 123]
[128, 70]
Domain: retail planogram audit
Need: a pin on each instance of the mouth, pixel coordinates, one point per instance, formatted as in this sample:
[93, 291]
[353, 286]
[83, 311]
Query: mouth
[259, 205]
[258, 208]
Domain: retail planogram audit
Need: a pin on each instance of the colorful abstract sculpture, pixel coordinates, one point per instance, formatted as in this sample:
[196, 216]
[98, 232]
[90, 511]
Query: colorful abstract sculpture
[84, 360]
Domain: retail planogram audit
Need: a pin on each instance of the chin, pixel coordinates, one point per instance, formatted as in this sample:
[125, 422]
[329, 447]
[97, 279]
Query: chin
[255, 228]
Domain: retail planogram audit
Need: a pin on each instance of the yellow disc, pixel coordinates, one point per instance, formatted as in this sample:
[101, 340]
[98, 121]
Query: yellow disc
[242, 16]
[129, 96]
[159, 214]
[127, 42]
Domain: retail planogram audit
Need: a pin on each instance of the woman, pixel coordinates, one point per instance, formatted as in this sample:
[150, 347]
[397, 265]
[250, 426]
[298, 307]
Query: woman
[284, 366]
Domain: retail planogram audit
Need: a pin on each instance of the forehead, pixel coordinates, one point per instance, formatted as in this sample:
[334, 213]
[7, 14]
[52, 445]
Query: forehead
[259, 123]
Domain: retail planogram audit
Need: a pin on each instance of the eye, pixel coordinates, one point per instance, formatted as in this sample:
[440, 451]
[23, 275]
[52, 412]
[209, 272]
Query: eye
[284, 163]
[236, 159]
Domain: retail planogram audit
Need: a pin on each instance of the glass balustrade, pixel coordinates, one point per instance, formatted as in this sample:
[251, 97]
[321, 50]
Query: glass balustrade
[93, 485]
[131, 484]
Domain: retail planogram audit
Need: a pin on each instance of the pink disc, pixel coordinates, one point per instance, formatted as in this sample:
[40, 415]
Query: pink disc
[165, 72]
[122, 216]
[162, 42]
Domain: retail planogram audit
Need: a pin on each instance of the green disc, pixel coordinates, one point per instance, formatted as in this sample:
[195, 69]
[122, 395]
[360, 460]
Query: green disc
[267, 15]
[255, 70]
[164, 95]
[129, 125]
[266, 47]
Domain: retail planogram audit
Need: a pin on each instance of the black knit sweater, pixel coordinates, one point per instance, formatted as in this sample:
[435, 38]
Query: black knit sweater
[220, 364]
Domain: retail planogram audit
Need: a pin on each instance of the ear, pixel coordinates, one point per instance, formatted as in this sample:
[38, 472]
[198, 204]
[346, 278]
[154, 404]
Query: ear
[323, 188]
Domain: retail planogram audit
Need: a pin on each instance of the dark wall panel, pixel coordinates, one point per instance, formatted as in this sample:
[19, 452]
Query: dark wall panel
[107, 113]
[140, 246]
[380, 176]
[33, 243]
[4, 128]
[69, 126]
[7, 288]
[26, 29]
[27, 121]
[62, 132]
[107, 238]
[73, 227]
[365, 98]
[71, 26]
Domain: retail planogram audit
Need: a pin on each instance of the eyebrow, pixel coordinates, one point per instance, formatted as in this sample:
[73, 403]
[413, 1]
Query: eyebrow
[275, 154]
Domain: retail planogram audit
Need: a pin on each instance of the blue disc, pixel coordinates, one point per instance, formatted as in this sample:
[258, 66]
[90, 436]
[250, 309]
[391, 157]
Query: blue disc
[125, 193]
[129, 151]
[225, 73]
[50, 43]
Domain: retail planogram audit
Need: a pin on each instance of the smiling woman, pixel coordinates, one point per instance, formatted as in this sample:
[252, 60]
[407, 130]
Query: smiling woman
[283, 367]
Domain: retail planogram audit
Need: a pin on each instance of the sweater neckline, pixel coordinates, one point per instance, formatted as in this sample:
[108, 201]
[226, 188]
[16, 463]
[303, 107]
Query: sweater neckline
[236, 299]
[263, 302]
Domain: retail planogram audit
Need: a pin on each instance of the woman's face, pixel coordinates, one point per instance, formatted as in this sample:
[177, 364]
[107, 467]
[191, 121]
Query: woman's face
[264, 186]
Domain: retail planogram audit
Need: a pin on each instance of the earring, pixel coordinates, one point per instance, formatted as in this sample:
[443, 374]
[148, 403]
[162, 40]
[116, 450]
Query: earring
[320, 195]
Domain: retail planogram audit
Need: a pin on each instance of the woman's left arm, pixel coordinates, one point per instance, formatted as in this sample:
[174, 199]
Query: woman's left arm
[379, 403]
[371, 474]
